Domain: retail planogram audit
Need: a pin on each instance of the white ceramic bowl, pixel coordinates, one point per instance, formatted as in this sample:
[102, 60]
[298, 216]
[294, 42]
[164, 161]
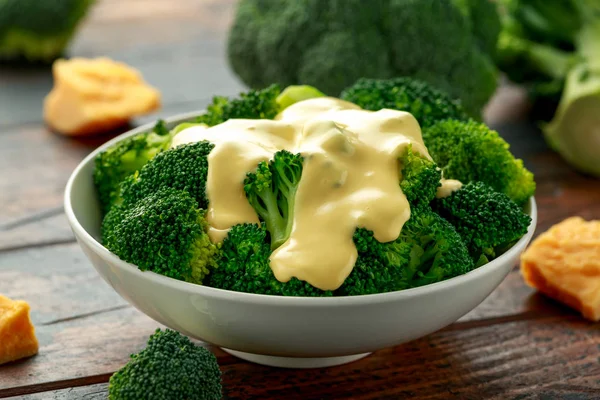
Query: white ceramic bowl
[280, 331]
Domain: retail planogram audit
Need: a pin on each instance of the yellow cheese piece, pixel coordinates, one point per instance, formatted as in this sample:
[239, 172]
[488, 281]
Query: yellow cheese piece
[564, 263]
[17, 334]
[96, 95]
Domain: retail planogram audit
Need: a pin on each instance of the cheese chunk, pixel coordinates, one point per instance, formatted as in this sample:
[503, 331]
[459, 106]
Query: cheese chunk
[96, 95]
[17, 334]
[564, 263]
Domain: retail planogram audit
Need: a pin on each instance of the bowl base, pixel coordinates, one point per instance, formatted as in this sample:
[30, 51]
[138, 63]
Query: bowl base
[295, 362]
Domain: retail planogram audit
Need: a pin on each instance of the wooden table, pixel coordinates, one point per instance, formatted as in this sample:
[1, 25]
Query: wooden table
[516, 344]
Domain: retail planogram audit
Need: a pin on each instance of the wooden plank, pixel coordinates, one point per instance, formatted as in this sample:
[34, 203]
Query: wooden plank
[553, 358]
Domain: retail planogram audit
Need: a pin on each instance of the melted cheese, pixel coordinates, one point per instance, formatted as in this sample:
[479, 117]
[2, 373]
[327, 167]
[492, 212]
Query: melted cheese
[350, 179]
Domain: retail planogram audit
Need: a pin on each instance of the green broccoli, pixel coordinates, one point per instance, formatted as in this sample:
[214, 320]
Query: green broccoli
[428, 250]
[253, 104]
[470, 151]
[331, 44]
[271, 190]
[420, 177]
[171, 367]
[244, 266]
[427, 104]
[124, 158]
[164, 232]
[38, 30]
[184, 167]
[485, 219]
[551, 47]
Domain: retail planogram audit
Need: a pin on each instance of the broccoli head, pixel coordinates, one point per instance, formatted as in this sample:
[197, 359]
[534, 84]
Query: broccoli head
[170, 367]
[420, 177]
[253, 104]
[331, 44]
[470, 151]
[244, 266]
[485, 219]
[164, 232]
[271, 190]
[124, 158]
[428, 250]
[184, 167]
[422, 100]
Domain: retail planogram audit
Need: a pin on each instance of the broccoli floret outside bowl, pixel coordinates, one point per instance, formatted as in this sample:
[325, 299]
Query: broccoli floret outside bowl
[298, 331]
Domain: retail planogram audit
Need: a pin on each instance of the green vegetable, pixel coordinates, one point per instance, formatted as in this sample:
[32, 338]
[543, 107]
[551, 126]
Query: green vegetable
[428, 250]
[420, 177]
[244, 266]
[184, 167]
[427, 104]
[551, 47]
[164, 232]
[485, 219]
[39, 30]
[294, 94]
[331, 44]
[271, 190]
[470, 151]
[254, 104]
[124, 158]
[171, 367]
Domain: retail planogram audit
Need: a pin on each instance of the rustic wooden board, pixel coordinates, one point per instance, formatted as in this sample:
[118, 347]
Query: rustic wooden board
[549, 359]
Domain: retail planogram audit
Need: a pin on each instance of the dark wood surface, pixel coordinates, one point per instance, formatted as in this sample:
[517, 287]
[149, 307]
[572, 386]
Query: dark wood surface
[516, 344]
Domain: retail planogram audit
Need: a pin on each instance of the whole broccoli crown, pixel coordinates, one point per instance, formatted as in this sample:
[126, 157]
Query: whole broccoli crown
[428, 250]
[420, 177]
[271, 190]
[124, 158]
[253, 104]
[331, 44]
[244, 266]
[164, 232]
[184, 167]
[484, 218]
[422, 100]
[470, 151]
[171, 367]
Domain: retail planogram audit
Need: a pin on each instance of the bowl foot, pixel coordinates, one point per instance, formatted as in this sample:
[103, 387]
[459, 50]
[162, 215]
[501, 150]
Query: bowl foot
[294, 362]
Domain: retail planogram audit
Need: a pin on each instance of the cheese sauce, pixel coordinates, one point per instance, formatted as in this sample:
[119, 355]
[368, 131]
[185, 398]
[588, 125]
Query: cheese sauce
[350, 179]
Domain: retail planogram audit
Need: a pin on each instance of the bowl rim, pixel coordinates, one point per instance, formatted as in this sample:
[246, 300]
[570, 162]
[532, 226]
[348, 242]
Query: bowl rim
[207, 291]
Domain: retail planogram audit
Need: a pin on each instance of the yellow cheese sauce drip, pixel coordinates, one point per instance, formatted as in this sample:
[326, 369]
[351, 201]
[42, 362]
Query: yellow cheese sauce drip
[350, 179]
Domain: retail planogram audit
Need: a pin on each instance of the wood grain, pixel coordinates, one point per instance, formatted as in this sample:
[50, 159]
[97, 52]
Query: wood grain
[550, 359]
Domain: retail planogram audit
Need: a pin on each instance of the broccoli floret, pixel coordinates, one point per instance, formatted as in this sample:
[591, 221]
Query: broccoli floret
[253, 104]
[470, 151]
[485, 219]
[184, 167]
[427, 104]
[171, 367]
[38, 30]
[164, 232]
[271, 191]
[244, 266]
[331, 44]
[420, 177]
[124, 158]
[428, 250]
